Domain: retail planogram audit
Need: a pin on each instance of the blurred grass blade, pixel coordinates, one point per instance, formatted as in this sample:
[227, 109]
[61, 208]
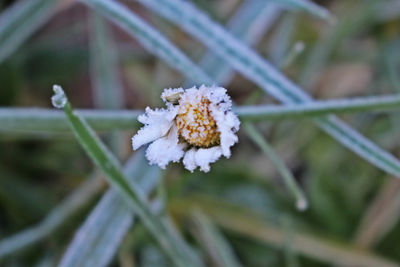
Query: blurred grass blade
[106, 86]
[293, 53]
[309, 7]
[20, 21]
[251, 65]
[284, 171]
[111, 168]
[251, 21]
[214, 242]
[381, 215]
[104, 65]
[38, 119]
[251, 225]
[148, 37]
[57, 217]
[97, 240]
[281, 39]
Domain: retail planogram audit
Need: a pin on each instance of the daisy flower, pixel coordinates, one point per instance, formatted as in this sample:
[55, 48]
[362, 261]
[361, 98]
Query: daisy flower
[196, 125]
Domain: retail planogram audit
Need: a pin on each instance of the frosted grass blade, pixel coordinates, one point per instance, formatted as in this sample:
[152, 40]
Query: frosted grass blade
[285, 173]
[104, 66]
[106, 86]
[20, 21]
[112, 170]
[148, 37]
[251, 65]
[252, 20]
[307, 6]
[39, 119]
[97, 240]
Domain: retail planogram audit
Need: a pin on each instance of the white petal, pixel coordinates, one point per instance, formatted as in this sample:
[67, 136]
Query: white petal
[157, 124]
[228, 125]
[149, 133]
[165, 149]
[201, 157]
[189, 160]
[205, 156]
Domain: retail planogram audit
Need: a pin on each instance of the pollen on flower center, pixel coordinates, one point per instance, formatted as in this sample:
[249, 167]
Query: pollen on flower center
[196, 124]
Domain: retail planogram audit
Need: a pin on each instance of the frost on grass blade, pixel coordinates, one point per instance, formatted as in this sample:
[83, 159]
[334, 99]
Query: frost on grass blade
[59, 99]
[197, 125]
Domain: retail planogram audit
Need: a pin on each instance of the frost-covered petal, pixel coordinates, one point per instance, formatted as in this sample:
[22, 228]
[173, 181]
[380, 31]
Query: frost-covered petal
[157, 124]
[217, 96]
[189, 159]
[201, 157]
[165, 149]
[150, 133]
[205, 156]
[157, 115]
[228, 125]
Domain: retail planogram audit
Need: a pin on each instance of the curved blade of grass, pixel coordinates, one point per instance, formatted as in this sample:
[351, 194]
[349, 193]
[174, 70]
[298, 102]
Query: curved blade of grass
[38, 119]
[309, 7]
[251, 65]
[111, 168]
[213, 241]
[57, 217]
[20, 21]
[148, 37]
[249, 23]
[240, 220]
[100, 235]
[286, 174]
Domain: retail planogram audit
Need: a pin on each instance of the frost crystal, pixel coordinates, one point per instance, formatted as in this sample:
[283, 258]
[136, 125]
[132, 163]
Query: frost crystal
[197, 125]
[59, 99]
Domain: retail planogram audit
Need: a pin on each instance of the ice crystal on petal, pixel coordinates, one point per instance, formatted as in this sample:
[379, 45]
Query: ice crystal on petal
[197, 125]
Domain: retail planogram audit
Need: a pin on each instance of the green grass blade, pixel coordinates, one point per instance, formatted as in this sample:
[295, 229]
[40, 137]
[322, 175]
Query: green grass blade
[20, 21]
[53, 221]
[111, 168]
[252, 20]
[106, 86]
[309, 7]
[148, 37]
[38, 119]
[285, 173]
[320, 108]
[214, 242]
[99, 237]
[251, 65]
[104, 66]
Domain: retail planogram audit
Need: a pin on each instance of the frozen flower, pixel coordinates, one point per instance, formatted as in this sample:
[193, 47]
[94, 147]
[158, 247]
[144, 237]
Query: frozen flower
[197, 125]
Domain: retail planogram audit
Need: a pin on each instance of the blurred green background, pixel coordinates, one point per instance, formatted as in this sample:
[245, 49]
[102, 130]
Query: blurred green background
[352, 204]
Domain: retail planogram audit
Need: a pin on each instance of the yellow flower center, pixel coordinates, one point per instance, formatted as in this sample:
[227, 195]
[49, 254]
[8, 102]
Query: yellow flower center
[196, 124]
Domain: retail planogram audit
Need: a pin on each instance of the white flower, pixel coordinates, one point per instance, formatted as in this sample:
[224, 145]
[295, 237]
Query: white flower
[197, 124]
